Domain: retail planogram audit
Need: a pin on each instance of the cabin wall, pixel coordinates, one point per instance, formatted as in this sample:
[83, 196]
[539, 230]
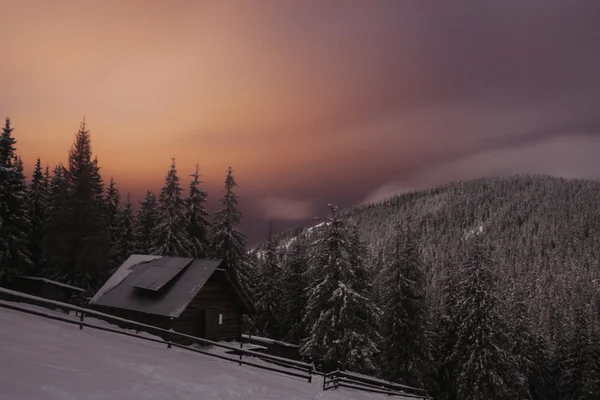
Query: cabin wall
[214, 294]
[154, 320]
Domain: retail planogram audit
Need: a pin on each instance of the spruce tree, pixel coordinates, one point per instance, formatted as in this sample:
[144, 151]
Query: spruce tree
[14, 217]
[269, 291]
[196, 218]
[77, 244]
[148, 217]
[406, 357]
[485, 367]
[294, 290]
[113, 207]
[37, 194]
[57, 187]
[340, 312]
[125, 235]
[170, 236]
[229, 243]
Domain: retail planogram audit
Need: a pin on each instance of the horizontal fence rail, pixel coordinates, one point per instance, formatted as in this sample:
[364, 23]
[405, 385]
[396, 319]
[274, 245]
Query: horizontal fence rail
[306, 370]
[335, 379]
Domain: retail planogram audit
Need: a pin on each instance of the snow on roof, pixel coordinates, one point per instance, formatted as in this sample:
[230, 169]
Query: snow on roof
[122, 273]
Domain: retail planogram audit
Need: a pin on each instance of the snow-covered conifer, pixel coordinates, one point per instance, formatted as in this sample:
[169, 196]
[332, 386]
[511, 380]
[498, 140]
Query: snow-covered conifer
[485, 368]
[77, 244]
[228, 242]
[196, 218]
[406, 357]
[294, 285]
[125, 235]
[170, 236]
[15, 223]
[113, 207]
[148, 217]
[37, 196]
[340, 312]
[269, 291]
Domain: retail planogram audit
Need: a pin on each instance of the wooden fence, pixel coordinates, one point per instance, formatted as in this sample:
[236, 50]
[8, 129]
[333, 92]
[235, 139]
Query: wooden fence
[350, 380]
[293, 368]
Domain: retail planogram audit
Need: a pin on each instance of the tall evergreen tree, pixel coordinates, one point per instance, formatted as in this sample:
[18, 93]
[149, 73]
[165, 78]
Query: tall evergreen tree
[341, 315]
[37, 194]
[485, 367]
[406, 357]
[581, 367]
[294, 286]
[269, 291]
[196, 218]
[125, 235]
[147, 220]
[14, 217]
[229, 243]
[77, 247]
[170, 235]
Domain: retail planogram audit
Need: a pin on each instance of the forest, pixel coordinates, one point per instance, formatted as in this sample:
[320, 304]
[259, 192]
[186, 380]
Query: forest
[484, 289]
[68, 225]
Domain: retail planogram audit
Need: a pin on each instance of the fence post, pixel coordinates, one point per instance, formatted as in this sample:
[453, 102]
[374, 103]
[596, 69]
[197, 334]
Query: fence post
[241, 346]
[310, 370]
[81, 319]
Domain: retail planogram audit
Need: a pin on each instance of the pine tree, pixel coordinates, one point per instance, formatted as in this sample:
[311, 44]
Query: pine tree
[341, 315]
[57, 187]
[7, 146]
[294, 286]
[196, 218]
[113, 207]
[229, 243]
[97, 183]
[37, 194]
[125, 238]
[148, 217]
[77, 245]
[14, 217]
[170, 235]
[269, 292]
[485, 367]
[406, 357]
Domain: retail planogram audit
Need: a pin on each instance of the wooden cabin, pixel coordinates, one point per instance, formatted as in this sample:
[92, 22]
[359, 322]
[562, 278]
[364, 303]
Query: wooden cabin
[197, 297]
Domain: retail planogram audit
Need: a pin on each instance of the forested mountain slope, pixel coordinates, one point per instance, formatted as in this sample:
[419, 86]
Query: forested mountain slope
[510, 282]
[544, 231]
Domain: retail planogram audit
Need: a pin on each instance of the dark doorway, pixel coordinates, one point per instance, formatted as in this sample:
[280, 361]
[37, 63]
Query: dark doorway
[211, 324]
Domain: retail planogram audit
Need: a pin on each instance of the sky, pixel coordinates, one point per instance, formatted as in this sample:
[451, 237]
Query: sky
[344, 102]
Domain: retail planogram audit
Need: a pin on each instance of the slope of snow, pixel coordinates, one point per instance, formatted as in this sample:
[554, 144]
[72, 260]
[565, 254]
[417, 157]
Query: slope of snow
[44, 359]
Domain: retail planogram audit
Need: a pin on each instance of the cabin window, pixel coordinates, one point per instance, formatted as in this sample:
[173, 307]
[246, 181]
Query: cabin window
[220, 319]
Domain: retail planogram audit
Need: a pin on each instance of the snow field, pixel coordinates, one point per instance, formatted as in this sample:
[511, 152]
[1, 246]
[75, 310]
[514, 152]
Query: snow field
[41, 359]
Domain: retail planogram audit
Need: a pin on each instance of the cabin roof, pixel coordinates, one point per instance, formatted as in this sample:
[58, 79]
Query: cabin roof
[160, 285]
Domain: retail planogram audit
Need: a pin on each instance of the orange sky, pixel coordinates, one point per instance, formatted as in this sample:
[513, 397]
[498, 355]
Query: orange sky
[311, 102]
[203, 81]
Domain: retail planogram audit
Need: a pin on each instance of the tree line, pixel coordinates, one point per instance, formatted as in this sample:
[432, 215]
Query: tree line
[69, 226]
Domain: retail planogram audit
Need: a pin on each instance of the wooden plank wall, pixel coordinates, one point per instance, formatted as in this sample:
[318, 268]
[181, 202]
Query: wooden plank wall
[214, 294]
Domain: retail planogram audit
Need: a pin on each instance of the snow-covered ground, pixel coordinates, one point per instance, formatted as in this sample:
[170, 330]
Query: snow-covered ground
[41, 359]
